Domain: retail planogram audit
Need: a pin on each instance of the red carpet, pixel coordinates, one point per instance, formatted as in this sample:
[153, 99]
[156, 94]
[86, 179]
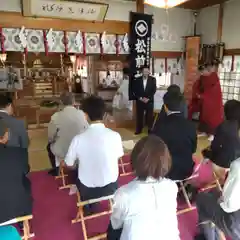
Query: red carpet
[54, 209]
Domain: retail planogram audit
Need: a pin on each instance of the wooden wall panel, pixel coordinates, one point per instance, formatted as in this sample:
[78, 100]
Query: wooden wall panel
[16, 20]
[230, 52]
[163, 54]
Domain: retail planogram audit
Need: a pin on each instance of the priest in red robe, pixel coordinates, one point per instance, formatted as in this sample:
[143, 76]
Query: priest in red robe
[207, 99]
[212, 111]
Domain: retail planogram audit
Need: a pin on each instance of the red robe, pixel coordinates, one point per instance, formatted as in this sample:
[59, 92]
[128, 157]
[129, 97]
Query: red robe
[195, 104]
[212, 111]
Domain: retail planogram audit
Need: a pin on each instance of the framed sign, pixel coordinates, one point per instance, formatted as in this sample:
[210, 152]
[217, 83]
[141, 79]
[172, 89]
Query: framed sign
[65, 9]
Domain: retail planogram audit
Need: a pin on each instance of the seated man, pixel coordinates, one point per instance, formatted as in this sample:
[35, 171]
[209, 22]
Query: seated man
[64, 126]
[15, 199]
[225, 146]
[180, 136]
[223, 211]
[19, 136]
[97, 152]
[183, 109]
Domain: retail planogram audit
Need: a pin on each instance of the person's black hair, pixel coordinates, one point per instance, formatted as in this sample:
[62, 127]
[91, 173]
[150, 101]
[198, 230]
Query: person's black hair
[174, 88]
[232, 110]
[173, 101]
[5, 100]
[94, 107]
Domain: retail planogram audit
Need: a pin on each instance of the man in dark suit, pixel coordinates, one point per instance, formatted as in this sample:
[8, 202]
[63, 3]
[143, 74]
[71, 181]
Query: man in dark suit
[180, 136]
[144, 89]
[18, 133]
[16, 197]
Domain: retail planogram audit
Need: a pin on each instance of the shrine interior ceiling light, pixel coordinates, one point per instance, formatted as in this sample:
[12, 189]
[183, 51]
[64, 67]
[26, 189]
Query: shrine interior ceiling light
[164, 3]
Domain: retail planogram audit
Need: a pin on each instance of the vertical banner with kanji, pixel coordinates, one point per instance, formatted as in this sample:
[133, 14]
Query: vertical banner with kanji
[140, 46]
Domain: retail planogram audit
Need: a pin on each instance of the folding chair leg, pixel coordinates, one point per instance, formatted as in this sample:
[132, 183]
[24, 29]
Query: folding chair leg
[122, 165]
[26, 230]
[217, 182]
[78, 196]
[83, 224]
[185, 195]
[79, 214]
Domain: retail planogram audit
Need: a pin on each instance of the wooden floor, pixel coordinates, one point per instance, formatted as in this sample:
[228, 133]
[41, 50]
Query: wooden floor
[38, 157]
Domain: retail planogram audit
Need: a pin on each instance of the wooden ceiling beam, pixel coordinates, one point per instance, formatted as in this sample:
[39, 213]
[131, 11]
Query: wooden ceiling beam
[16, 20]
[199, 4]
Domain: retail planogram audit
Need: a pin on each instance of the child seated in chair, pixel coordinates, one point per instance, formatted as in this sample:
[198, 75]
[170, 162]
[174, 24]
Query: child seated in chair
[225, 146]
[146, 208]
[97, 151]
[221, 209]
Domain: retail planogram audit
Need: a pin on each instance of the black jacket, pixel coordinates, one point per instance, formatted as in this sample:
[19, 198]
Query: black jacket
[148, 92]
[181, 138]
[225, 147]
[15, 189]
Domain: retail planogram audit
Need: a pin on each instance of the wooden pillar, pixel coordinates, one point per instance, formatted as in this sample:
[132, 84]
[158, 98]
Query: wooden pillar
[220, 23]
[140, 6]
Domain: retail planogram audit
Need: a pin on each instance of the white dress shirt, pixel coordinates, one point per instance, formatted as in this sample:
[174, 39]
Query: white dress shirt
[144, 83]
[64, 126]
[97, 150]
[146, 210]
[231, 189]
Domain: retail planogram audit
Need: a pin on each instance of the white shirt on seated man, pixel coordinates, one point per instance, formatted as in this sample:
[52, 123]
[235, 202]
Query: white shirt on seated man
[64, 126]
[97, 152]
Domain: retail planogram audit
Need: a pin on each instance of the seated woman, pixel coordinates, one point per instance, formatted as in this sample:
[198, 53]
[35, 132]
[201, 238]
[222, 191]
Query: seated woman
[146, 208]
[225, 147]
[15, 199]
[223, 211]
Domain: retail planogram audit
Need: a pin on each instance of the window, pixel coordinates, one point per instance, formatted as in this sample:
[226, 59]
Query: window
[163, 79]
[230, 79]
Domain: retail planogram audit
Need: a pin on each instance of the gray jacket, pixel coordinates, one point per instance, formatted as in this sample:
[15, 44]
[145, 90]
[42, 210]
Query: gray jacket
[64, 126]
[18, 132]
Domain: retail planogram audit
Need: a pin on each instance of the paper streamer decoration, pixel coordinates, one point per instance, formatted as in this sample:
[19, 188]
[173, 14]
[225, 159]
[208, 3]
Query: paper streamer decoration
[125, 43]
[23, 39]
[78, 40]
[50, 39]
